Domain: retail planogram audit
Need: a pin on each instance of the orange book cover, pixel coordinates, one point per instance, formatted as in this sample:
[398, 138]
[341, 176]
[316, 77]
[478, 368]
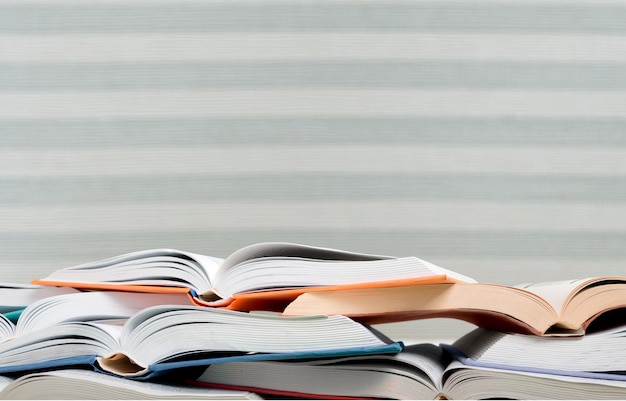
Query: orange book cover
[263, 276]
[268, 300]
[277, 300]
[114, 287]
[153, 289]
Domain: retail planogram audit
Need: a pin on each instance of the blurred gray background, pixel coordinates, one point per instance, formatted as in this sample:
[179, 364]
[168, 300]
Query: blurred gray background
[488, 137]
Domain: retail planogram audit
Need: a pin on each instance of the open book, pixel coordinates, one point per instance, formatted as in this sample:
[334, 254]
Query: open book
[599, 355]
[420, 371]
[548, 308]
[258, 267]
[78, 384]
[105, 306]
[31, 342]
[162, 338]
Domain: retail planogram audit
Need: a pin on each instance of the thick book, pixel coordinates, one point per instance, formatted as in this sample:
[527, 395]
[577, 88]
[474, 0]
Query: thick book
[78, 384]
[420, 371]
[166, 338]
[600, 354]
[49, 319]
[253, 275]
[563, 308]
[105, 306]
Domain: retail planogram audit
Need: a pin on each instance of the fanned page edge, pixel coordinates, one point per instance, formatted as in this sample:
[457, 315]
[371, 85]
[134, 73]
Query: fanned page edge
[209, 264]
[467, 361]
[296, 250]
[571, 323]
[292, 249]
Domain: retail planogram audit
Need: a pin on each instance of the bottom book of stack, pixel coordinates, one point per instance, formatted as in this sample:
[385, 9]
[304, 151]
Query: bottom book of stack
[419, 371]
[77, 384]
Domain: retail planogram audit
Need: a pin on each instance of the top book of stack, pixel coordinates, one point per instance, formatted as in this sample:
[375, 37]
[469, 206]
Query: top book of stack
[296, 279]
[264, 276]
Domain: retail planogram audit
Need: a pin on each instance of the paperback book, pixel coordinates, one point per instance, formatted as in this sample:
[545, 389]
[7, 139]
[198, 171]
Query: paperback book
[560, 308]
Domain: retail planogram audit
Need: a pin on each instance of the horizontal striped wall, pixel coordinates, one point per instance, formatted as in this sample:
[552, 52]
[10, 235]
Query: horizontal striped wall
[485, 136]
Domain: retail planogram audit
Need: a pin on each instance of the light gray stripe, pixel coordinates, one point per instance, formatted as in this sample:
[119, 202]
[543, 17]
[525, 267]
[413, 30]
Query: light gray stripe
[289, 16]
[327, 215]
[528, 268]
[314, 103]
[593, 247]
[315, 74]
[99, 47]
[158, 132]
[311, 187]
[273, 159]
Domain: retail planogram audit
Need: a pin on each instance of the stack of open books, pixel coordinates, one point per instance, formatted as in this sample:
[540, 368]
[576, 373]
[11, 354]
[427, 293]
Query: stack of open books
[298, 321]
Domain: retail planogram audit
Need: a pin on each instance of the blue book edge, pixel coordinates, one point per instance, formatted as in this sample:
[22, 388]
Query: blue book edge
[85, 360]
[464, 359]
[162, 368]
[165, 367]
